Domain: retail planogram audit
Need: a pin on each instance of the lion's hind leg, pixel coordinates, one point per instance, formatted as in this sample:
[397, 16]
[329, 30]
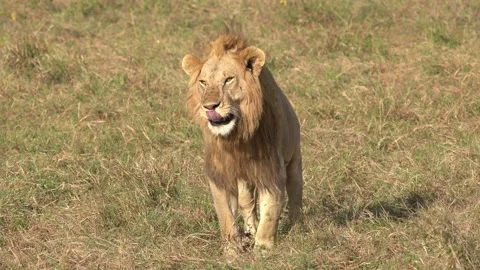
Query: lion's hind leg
[295, 187]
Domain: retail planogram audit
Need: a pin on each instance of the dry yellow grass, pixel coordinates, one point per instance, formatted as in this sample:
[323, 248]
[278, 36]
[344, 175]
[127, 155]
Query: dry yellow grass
[100, 166]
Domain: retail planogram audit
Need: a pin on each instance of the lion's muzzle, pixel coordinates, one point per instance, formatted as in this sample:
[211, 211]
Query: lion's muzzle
[216, 119]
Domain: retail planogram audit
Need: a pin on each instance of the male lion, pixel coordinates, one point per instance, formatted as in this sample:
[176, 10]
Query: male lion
[251, 136]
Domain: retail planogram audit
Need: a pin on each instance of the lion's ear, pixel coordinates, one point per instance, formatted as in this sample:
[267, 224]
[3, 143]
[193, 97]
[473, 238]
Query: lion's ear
[191, 64]
[254, 59]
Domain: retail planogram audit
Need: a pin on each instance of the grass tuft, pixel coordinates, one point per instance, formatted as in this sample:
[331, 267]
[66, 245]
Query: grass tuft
[25, 56]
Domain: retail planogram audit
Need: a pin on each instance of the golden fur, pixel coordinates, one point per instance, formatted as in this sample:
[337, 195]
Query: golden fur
[262, 146]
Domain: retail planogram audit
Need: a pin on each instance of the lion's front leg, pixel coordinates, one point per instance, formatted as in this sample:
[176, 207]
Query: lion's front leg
[226, 205]
[271, 204]
[247, 203]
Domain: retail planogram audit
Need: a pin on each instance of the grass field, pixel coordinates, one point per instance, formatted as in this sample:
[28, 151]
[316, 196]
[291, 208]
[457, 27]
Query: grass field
[101, 167]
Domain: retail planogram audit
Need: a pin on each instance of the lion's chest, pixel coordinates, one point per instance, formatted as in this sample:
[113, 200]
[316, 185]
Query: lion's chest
[254, 165]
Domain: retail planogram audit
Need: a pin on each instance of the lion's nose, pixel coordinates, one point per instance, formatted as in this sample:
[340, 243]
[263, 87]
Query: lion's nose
[211, 106]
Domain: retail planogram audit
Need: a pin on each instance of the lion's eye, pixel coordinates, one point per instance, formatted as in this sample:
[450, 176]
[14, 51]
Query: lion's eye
[229, 79]
[203, 83]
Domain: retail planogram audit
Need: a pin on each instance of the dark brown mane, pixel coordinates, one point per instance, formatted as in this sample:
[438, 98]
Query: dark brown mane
[248, 153]
[230, 41]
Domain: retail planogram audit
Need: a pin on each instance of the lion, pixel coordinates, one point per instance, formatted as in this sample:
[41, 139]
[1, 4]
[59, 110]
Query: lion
[251, 139]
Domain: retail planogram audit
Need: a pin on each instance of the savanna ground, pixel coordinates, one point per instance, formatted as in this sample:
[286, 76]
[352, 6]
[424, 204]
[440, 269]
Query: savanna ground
[101, 166]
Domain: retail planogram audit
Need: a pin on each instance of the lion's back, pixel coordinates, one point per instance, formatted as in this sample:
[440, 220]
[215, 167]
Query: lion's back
[286, 116]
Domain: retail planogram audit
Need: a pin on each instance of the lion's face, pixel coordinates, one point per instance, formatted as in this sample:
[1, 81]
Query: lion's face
[222, 86]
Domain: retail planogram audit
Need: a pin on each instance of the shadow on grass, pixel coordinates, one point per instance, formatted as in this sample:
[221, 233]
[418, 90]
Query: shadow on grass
[395, 209]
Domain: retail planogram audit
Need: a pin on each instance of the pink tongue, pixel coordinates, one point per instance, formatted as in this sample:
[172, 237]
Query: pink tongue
[213, 115]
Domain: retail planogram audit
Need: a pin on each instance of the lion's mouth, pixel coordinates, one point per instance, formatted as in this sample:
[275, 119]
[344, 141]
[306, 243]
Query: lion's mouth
[219, 121]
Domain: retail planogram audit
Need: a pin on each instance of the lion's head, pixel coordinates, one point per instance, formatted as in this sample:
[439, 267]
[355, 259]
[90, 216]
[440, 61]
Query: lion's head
[225, 93]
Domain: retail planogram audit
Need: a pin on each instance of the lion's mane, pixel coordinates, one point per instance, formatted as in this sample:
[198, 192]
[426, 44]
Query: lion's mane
[251, 151]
